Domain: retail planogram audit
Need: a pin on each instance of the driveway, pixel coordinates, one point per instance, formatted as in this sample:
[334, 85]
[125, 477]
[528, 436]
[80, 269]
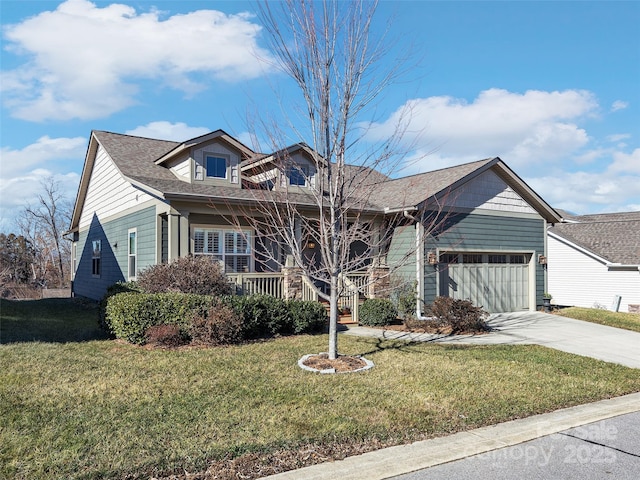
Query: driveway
[520, 328]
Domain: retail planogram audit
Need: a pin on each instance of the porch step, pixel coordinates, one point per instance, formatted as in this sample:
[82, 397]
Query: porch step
[346, 319]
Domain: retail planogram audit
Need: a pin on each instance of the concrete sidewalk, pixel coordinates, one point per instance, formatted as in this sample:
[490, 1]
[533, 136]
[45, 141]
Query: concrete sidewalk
[573, 336]
[402, 459]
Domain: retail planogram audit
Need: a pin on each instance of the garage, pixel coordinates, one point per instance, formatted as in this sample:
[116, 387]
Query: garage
[499, 281]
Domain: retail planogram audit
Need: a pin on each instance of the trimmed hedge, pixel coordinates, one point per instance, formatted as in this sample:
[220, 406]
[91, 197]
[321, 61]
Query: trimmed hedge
[378, 312]
[262, 315]
[307, 317]
[129, 315]
[116, 288]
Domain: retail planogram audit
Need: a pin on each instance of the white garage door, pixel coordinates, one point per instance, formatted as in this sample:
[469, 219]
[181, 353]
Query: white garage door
[499, 282]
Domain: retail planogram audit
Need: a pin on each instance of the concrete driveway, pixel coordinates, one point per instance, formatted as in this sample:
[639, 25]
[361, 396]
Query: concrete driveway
[574, 336]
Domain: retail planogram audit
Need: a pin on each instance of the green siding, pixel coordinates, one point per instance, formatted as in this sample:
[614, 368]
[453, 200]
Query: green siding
[466, 232]
[401, 255]
[488, 233]
[114, 259]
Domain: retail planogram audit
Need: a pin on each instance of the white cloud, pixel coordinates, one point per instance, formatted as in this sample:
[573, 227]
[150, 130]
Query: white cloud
[178, 132]
[534, 127]
[618, 137]
[619, 105]
[626, 162]
[588, 192]
[39, 154]
[83, 61]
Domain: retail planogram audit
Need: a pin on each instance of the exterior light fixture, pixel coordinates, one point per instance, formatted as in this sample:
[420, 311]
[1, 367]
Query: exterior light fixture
[542, 260]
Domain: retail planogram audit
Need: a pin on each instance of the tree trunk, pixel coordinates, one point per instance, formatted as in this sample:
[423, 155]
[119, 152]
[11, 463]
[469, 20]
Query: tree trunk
[333, 318]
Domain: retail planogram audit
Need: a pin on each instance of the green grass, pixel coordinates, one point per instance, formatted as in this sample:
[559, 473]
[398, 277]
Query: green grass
[79, 408]
[628, 321]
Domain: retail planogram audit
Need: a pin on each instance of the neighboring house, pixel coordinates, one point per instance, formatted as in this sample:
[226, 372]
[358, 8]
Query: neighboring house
[594, 261]
[143, 202]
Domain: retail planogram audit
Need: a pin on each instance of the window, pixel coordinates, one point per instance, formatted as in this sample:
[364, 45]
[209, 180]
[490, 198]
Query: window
[74, 260]
[497, 259]
[230, 247]
[520, 259]
[298, 175]
[216, 167]
[133, 253]
[96, 256]
[449, 258]
[472, 258]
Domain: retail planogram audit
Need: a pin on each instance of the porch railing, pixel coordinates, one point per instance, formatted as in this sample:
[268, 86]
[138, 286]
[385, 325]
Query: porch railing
[268, 283]
[353, 287]
[309, 290]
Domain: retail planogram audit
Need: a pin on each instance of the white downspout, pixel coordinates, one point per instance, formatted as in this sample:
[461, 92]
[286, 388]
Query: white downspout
[419, 264]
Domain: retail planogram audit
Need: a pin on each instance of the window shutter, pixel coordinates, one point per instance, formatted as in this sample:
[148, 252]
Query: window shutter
[199, 173]
[234, 172]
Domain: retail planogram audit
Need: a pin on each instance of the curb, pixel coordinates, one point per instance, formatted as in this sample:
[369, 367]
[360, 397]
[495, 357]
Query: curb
[402, 459]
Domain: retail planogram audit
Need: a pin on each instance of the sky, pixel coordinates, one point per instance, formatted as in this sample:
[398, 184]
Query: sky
[550, 87]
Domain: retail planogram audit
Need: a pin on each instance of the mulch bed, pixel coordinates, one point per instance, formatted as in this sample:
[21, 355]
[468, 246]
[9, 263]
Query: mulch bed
[344, 363]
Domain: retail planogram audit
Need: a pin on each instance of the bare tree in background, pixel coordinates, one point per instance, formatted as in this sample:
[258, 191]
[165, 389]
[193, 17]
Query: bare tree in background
[332, 228]
[43, 225]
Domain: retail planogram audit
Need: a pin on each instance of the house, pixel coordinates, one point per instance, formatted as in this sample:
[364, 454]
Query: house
[143, 201]
[594, 261]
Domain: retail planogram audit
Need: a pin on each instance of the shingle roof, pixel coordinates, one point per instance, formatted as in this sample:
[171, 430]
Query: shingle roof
[612, 236]
[412, 190]
[137, 158]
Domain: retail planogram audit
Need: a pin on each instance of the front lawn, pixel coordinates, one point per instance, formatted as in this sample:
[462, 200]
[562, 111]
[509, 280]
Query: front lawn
[85, 409]
[628, 321]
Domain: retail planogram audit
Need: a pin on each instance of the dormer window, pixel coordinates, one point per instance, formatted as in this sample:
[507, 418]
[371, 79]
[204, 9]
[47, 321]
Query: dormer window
[298, 175]
[216, 167]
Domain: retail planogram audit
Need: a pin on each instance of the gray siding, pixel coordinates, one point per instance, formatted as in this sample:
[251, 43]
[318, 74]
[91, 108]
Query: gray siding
[469, 232]
[114, 259]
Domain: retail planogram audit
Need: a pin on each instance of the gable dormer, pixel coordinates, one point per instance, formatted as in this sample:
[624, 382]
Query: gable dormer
[212, 159]
[298, 171]
[216, 164]
[293, 168]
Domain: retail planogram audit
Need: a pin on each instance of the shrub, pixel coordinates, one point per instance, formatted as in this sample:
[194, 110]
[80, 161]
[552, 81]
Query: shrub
[220, 325]
[461, 315]
[116, 288]
[404, 298]
[378, 312]
[306, 316]
[165, 335]
[197, 274]
[262, 315]
[129, 315]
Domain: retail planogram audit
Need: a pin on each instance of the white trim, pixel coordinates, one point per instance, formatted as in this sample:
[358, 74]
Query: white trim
[134, 255]
[223, 229]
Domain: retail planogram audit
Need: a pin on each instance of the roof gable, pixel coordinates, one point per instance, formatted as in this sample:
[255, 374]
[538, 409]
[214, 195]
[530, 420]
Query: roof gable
[436, 186]
[219, 135]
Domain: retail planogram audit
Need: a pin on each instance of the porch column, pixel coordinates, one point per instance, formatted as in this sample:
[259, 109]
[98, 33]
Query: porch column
[184, 235]
[174, 236]
[292, 288]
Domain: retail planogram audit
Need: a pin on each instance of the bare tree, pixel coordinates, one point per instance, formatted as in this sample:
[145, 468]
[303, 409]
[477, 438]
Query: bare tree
[330, 228]
[43, 225]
